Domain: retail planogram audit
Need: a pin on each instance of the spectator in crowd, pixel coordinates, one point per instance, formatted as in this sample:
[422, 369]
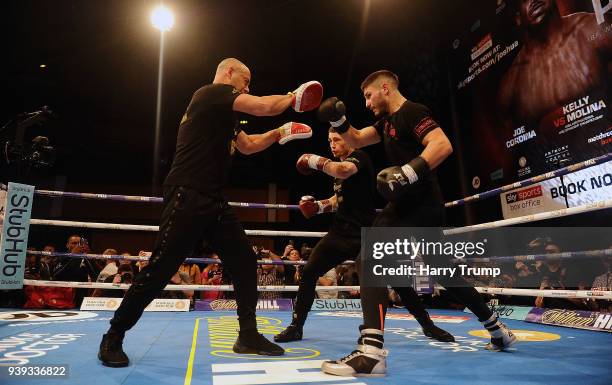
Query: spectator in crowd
[525, 275]
[271, 275]
[287, 250]
[179, 278]
[141, 264]
[110, 268]
[348, 276]
[212, 275]
[192, 270]
[35, 268]
[328, 279]
[123, 275]
[602, 282]
[74, 270]
[49, 260]
[129, 262]
[291, 272]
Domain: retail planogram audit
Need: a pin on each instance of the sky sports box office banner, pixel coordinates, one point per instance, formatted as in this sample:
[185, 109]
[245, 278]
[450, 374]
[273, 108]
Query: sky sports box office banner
[531, 99]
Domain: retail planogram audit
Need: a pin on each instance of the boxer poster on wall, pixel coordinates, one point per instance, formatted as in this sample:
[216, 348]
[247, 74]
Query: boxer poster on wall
[531, 80]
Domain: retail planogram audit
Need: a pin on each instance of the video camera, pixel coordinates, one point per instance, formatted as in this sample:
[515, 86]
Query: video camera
[38, 153]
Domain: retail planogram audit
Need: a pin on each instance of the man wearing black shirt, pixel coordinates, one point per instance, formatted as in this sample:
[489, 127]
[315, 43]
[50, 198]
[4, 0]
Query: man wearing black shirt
[353, 202]
[414, 145]
[195, 209]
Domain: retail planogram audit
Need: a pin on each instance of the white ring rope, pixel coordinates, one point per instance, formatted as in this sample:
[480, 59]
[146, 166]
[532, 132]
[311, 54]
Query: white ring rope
[100, 285]
[599, 205]
[120, 226]
[485, 290]
[595, 294]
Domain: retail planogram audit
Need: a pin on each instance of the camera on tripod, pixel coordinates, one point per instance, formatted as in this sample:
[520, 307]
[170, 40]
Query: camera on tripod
[36, 154]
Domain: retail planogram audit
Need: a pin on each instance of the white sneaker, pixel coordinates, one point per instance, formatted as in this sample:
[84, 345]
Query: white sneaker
[501, 337]
[366, 361]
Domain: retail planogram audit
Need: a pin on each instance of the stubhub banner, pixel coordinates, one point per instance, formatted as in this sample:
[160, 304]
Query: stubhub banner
[15, 228]
[336, 304]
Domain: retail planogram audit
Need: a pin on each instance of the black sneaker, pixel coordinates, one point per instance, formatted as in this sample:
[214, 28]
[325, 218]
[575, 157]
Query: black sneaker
[432, 331]
[252, 342]
[111, 351]
[292, 333]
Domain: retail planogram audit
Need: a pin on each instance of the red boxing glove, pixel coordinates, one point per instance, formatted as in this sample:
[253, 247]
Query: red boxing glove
[309, 162]
[307, 96]
[310, 207]
[290, 131]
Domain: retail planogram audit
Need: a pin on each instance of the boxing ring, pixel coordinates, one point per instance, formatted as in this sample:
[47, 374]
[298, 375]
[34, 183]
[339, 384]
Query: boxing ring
[195, 347]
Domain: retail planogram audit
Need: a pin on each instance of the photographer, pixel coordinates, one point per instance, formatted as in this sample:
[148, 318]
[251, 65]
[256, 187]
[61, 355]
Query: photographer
[124, 275]
[212, 275]
[270, 275]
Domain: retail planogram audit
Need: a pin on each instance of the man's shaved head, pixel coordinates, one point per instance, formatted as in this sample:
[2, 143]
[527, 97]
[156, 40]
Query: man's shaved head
[231, 62]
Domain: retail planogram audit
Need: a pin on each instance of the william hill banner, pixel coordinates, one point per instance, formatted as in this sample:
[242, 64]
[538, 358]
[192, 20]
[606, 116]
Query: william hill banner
[280, 304]
[571, 318]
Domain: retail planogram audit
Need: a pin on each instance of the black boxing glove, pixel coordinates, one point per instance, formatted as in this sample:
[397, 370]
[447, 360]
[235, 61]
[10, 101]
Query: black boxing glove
[393, 182]
[332, 110]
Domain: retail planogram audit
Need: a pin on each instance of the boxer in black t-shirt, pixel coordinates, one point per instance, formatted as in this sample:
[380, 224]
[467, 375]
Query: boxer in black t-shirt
[414, 145]
[194, 208]
[353, 202]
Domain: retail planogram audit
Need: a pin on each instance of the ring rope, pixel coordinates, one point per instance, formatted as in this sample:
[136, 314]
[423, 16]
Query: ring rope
[138, 258]
[101, 285]
[529, 181]
[589, 207]
[541, 257]
[119, 226]
[485, 290]
[594, 206]
[265, 261]
[487, 194]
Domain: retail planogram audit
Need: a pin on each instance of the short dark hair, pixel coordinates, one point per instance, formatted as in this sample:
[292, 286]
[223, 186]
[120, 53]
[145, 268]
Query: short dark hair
[331, 130]
[378, 74]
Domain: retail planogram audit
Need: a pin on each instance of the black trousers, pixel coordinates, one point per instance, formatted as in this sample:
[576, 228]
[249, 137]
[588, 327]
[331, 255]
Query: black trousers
[330, 251]
[374, 299]
[189, 216]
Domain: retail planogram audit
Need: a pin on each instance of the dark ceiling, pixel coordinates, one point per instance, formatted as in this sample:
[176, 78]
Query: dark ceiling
[101, 60]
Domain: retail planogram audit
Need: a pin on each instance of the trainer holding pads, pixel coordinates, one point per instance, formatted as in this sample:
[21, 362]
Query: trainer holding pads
[194, 207]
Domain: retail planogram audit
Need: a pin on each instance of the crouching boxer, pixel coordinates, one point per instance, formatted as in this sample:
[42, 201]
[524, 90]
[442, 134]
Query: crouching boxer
[194, 208]
[353, 203]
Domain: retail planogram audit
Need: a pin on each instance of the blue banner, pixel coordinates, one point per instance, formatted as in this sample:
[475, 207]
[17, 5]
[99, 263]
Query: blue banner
[279, 304]
[15, 229]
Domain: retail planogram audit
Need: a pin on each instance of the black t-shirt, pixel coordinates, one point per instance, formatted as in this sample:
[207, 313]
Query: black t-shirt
[402, 133]
[204, 145]
[355, 195]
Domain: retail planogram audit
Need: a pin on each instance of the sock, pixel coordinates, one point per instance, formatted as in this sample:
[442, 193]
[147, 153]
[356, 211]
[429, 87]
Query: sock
[494, 327]
[372, 337]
